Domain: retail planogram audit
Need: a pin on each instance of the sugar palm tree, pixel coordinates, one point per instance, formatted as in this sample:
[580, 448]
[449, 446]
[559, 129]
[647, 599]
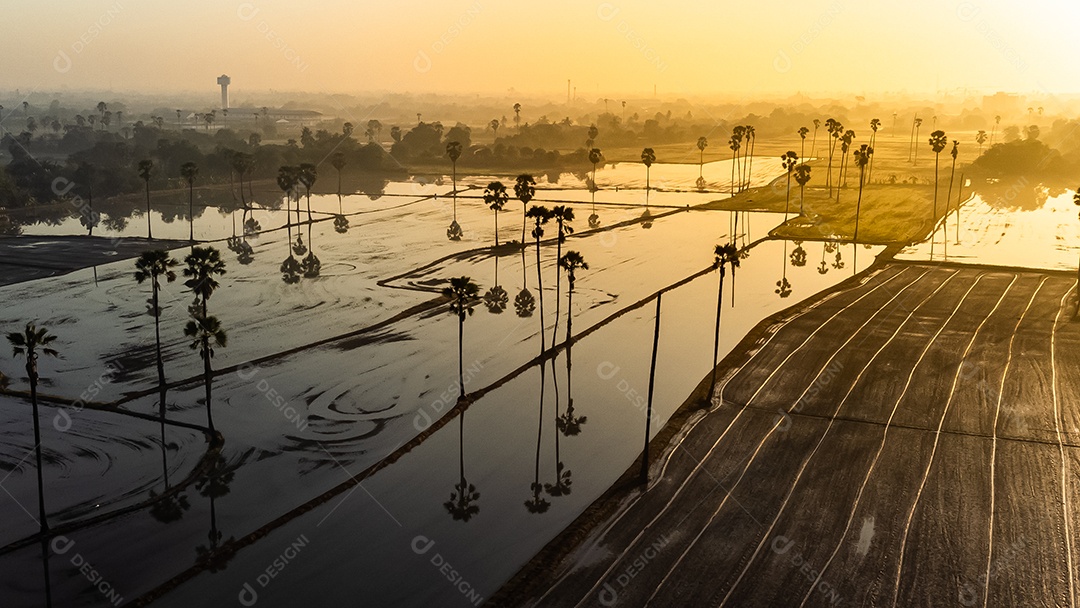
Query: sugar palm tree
[948, 199]
[738, 133]
[993, 130]
[918, 124]
[206, 333]
[463, 294]
[845, 146]
[748, 155]
[155, 265]
[563, 215]
[540, 215]
[802, 176]
[702, 143]
[189, 171]
[494, 125]
[307, 176]
[803, 132]
[571, 263]
[538, 504]
[496, 197]
[862, 158]
[524, 190]
[980, 138]
[29, 343]
[648, 157]
[287, 180]
[911, 138]
[595, 157]
[875, 124]
[726, 254]
[203, 265]
[833, 128]
[453, 152]
[938, 141]
[517, 116]
[788, 161]
[813, 144]
[145, 167]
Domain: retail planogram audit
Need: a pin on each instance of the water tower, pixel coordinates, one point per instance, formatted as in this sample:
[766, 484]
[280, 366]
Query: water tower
[224, 81]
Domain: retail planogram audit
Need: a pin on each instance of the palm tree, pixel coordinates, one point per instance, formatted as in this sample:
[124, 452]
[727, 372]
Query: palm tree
[648, 157]
[189, 171]
[145, 166]
[702, 143]
[938, 141]
[494, 125]
[154, 265]
[453, 151]
[540, 215]
[911, 138]
[915, 159]
[751, 139]
[593, 134]
[595, 157]
[845, 145]
[948, 199]
[875, 124]
[307, 175]
[203, 263]
[997, 121]
[803, 132]
[833, 128]
[725, 254]
[463, 295]
[802, 176]
[524, 190]
[737, 134]
[788, 161]
[28, 343]
[862, 157]
[496, 197]
[980, 138]
[571, 262]
[206, 334]
[813, 144]
[287, 180]
[563, 215]
[517, 116]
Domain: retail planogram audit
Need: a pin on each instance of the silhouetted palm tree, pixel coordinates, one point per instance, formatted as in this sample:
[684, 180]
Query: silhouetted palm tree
[702, 143]
[540, 215]
[494, 125]
[803, 132]
[648, 157]
[307, 175]
[834, 128]
[461, 505]
[496, 197]
[595, 157]
[938, 141]
[463, 295]
[845, 146]
[571, 263]
[911, 138]
[993, 130]
[788, 161]
[203, 264]
[915, 158]
[154, 265]
[948, 199]
[538, 504]
[862, 158]
[980, 138]
[28, 343]
[189, 171]
[287, 179]
[453, 152]
[748, 155]
[145, 167]
[563, 215]
[802, 176]
[725, 255]
[517, 116]
[813, 145]
[524, 190]
[875, 124]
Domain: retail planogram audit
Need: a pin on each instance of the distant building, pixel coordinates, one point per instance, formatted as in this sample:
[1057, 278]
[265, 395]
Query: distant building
[1002, 104]
[224, 81]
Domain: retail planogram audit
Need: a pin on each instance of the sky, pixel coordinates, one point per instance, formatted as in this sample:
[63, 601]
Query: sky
[606, 49]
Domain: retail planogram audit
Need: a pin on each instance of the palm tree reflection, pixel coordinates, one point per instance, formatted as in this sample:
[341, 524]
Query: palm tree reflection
[463, 497]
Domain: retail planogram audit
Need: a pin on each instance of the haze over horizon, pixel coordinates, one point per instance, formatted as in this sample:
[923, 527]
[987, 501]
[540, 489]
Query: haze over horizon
[622, 48]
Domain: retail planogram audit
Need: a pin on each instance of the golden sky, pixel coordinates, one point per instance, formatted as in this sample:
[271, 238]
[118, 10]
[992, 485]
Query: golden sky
[621, 47]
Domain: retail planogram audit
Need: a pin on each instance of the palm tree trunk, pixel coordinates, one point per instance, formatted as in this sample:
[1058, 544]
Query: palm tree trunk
[948, 200]
[496, 228]
[191, 212]
[207, 372]
[652, 384]
[540, 295]
[45, 568]
[933, 220]
[32, 373]
[959, 198]
[90, 197]
[309, 205]
[716, 333]
[858, 209]
[524, 221]
[157, 336]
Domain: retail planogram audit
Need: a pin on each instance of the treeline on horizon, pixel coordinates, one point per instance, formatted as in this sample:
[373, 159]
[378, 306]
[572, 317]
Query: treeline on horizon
[103, 162]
